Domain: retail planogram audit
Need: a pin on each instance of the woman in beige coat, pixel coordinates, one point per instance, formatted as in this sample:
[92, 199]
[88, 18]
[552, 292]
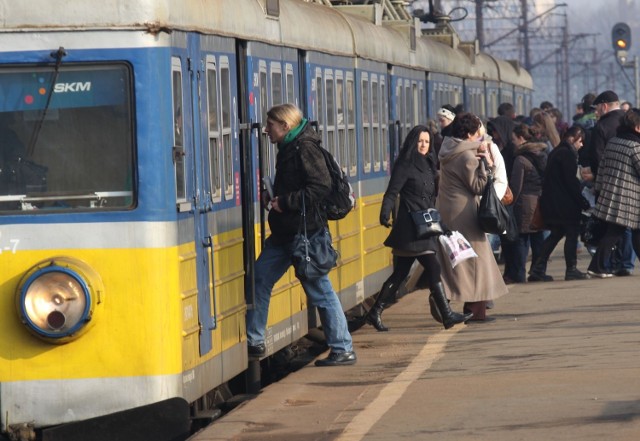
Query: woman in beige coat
[463, 178]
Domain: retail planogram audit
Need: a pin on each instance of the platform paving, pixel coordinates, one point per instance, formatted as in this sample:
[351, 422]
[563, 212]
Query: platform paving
[561, 362]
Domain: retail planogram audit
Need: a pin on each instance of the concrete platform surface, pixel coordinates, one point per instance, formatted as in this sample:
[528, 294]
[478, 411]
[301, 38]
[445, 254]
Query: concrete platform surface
[561, 362]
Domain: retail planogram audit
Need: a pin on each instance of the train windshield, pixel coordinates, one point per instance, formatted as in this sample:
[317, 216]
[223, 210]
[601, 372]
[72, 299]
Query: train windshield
[66, 138]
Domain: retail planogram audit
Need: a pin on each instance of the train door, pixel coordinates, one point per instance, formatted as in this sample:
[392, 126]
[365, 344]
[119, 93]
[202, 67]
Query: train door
[271, 78]
[190, 198]
[199, 191]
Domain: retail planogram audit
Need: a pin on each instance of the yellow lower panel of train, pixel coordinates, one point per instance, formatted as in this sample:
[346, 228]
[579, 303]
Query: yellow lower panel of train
[136, 329]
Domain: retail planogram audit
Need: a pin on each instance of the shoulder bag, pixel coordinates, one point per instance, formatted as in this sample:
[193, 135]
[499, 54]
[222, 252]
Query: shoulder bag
[427, 223]
[312, 257]
[492, 214]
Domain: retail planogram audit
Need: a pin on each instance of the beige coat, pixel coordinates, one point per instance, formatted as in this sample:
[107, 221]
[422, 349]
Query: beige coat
[462, 180]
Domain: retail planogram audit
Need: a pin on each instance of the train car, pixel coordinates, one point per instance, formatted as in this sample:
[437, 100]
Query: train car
[131, 159]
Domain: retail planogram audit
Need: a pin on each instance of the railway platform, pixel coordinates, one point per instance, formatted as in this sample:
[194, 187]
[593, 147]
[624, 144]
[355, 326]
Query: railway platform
[560, 362]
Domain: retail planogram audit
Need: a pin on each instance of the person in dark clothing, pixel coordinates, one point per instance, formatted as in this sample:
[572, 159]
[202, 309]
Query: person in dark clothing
[618, 186]
[501, 129]
[413, 179]
[562, 203]
[446, 115]
[301, 171]
[526, 184]
[607, 106]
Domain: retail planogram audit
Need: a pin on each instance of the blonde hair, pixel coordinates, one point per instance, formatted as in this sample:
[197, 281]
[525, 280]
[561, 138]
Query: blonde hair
[286, 113]
[547, 127]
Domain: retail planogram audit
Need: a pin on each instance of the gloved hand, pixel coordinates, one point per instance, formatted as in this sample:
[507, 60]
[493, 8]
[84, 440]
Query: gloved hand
[448, 232]
[384, 220]
[584, 204]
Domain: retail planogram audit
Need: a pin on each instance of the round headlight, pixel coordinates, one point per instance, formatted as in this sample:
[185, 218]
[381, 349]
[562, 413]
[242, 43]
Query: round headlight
[55, 300]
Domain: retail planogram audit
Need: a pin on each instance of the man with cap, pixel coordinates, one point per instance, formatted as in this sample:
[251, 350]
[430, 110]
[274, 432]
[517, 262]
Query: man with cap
[607, 106]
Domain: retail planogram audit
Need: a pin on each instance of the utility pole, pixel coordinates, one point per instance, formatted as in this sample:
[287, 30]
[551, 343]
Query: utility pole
[480, 24]
[566, 87]
[525, 34]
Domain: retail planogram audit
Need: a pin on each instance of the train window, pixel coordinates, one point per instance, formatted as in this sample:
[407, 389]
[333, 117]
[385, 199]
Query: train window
[408, 116]
[384, 117]
[225, 95]
[320, 100]
[178, 130]
[422, 119]
[351, 125]
[399, 100]
[269, 149]
[331, 118]
[375, 122]
[416, 104]
[366, 124]
[71, 147]
[276, 84]
[214, 130]
[290, 85]
[341, 122]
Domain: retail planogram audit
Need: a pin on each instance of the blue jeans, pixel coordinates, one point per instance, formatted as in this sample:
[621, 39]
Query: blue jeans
[623, 256]
[521, 251]
[273, 262]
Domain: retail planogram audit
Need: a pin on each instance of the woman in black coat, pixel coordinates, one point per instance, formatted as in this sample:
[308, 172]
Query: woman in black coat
[562, 203]
[413, 179]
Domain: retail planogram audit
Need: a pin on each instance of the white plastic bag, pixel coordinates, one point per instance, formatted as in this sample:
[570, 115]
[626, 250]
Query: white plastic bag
[457, 248]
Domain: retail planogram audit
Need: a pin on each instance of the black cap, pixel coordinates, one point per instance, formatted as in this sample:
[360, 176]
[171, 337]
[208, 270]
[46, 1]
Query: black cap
[608, 96]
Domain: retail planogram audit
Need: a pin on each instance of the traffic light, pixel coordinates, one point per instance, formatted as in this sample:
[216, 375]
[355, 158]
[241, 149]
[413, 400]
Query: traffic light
[621, 40]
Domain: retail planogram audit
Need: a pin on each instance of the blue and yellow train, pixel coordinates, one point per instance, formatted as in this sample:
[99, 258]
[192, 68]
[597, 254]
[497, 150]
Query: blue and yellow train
[130, 162]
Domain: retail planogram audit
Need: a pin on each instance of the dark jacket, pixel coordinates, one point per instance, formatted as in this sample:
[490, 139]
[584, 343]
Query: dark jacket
[300, 167]
[562, 201]
[414, 181]
[526, 182]
[604, 130]
[501, 129]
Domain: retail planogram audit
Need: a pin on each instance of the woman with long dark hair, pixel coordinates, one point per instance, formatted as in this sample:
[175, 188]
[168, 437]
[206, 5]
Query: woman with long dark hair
[413, 179]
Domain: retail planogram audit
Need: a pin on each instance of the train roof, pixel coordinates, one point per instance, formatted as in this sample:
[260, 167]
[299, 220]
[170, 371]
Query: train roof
[298, 24]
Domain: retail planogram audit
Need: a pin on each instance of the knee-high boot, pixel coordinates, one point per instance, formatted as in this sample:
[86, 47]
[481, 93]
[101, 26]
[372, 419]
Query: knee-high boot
[385, 297]
[440, 308]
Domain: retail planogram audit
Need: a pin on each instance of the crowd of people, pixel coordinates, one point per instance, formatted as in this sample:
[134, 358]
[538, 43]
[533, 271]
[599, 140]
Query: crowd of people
[550, 174]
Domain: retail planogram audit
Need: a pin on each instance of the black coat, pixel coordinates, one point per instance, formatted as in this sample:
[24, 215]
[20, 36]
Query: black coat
[414, 181]
[562, 201]
[604, 130]
[300, 167]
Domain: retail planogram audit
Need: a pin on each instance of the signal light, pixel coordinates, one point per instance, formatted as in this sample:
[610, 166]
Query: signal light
[621, 36]
[621, 40]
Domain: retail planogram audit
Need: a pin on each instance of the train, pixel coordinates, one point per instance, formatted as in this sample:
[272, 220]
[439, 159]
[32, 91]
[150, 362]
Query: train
[131, 163]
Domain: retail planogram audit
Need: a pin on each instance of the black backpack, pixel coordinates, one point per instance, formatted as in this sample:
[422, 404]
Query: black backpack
[342, 199]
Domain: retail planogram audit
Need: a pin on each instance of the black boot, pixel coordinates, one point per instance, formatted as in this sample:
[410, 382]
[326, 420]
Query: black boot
[440, 308]
[573, 273]
[537, 273]
[385, 296]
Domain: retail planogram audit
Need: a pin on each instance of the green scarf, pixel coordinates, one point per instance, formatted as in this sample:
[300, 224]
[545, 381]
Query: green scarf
[293, 133]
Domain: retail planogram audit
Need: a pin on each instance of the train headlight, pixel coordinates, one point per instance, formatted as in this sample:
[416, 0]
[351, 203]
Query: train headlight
[57, 297]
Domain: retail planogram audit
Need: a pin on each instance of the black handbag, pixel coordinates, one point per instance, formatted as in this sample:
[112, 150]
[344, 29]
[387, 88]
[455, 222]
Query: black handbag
[493, 216]
[592, 229]
[427, 223]
[312, 257]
